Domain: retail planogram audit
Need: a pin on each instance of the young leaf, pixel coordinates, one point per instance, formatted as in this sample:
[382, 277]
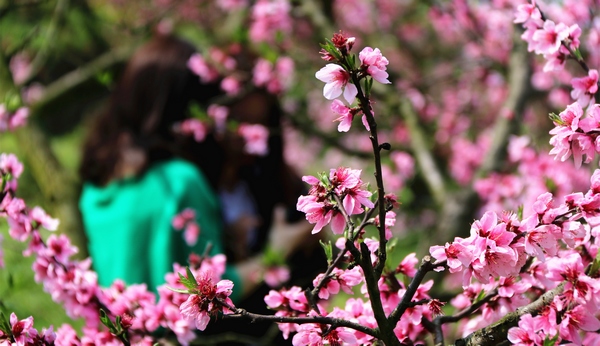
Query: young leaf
[190, 281]
[12, 101]
[550, 341]
[4, 324]
[195, 111]
[595, 265]
[480, 296]
[3, 182]
[328, 251]
[578, 54]
[390, 246]
[368, 86]
[330, 48]
[107, 322]
[556, 119]
[352, 61]
[178, 290]
[191, 276]
[271, 257]
[105, 78]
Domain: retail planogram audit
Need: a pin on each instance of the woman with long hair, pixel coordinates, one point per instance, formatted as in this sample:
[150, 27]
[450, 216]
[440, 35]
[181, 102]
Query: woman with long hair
[139, 173]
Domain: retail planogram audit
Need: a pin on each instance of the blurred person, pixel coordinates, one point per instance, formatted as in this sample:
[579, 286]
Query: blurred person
[138, 174]
[250, 189]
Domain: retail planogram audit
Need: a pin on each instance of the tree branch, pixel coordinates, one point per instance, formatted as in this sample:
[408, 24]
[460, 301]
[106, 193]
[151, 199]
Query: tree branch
[439, 321]
[42, 55]
[334, 322]
[426, 266]
[496, 332]
[429, 169]
[308, 128]
[79, 76]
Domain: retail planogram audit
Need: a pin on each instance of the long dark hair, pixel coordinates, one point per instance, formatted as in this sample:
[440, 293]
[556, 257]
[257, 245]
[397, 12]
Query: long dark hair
[270, 179]
[153, 94]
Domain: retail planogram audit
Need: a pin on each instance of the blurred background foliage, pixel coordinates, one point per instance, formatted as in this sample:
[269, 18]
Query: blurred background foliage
[455, 73]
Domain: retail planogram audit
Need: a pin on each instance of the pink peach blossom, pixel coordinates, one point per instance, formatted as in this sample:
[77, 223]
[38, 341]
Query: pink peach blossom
[375, 64]
[256, 137]
[549, 38]
[337, 80]
[584, 88]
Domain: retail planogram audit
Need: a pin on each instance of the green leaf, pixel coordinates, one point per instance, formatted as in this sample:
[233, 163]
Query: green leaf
[267, 52]
[12, 101]
[595, 265]
[552, 341]
[330, 48]
[389, 247]
[556, 119]
[368, 85]
[5, 324]
[105, 78]
[118, 324]
[195, 111]
[406, 280]
[479, 297]
[329, 250]
[352, 61]
[578, 54]
[178, 290]
[3, 181]
[191, 277]
[104, 318]
[190, 281]
[272, 257]
[107, 322]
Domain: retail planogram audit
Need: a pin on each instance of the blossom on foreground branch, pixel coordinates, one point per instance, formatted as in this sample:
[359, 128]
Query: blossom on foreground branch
[206, 299]
[320, 206]
[541, 249]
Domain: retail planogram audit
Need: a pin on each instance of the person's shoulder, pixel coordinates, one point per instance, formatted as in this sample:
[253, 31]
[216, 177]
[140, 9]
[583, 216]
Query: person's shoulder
[180, 173]
[177, 167]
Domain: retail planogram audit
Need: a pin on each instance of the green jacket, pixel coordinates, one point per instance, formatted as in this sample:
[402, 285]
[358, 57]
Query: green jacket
[128, 224]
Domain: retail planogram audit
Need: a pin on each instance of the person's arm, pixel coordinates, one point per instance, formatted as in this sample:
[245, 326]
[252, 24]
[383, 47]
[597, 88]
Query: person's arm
[284, 238]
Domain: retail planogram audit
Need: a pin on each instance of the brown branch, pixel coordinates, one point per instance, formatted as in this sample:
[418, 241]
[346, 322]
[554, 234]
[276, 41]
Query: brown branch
[372, 274]
[82, 74]
[311, 294]
[333, 322]
[229, 337]
[468, 311]
[42, 55]
[365, 106]
[426, 266]
[308, 128]
[439, 321]
[423, 155]
[496, 332]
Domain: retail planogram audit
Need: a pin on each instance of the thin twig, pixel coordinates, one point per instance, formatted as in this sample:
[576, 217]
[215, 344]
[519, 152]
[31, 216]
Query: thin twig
[39, 60]
[82, 74]
[334, 322]
[439, 321]
[426, 266]
[496, 332]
